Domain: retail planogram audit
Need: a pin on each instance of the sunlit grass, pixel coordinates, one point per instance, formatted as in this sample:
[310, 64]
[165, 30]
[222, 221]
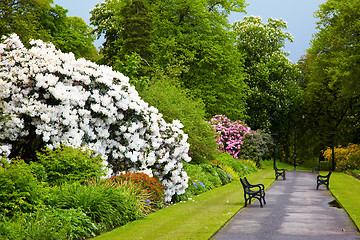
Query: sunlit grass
[268, 164]
[346, 189]
[198, 218]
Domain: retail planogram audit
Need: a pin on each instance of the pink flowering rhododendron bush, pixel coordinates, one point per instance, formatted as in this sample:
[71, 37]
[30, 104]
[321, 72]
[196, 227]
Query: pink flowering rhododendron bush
[230, 134]
[52, 99]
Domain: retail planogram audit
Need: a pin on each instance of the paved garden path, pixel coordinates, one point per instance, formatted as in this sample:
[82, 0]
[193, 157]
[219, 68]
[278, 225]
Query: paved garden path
[294, 210]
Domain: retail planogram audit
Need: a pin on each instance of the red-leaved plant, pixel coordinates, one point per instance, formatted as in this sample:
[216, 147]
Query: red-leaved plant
[150, 184]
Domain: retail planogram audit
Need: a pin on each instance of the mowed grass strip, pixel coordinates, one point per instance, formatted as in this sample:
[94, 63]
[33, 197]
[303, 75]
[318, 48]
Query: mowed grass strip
[198, 218]
[346, 189]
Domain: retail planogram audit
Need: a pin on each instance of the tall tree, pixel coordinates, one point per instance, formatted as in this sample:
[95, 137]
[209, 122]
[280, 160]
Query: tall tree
[189, 39]
[273, 80]
[21, 17]
[126, 26]
[70, 34]
[331, 76]
[38, 19]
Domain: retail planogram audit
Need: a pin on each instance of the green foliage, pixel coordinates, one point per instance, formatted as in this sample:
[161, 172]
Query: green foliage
[107, 206]
[189, 37]
[224, 178]
[336, 44]
[274, 97]
[21, 17]
[134, 39]
[70, 164]
[203, 179]
[241, 167]
[325, 166]
[212, 174]
[271, 76]
[175, 102]
[256, 146]
[330, 78]
[49, 224]
[20, 191]
[38, 19]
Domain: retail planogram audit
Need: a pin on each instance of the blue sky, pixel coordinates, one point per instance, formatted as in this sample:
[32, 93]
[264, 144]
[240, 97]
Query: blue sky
[297, 14]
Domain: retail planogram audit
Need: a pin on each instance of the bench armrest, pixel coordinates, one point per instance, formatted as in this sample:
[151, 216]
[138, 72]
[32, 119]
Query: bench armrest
[257, 186]
[261, 186]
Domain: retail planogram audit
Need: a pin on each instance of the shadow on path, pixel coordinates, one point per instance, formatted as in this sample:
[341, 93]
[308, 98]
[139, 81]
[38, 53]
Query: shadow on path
[294, 210]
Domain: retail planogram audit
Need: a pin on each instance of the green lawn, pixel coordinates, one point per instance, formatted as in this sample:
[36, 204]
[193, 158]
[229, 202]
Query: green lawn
[346, 189]
[198, 218]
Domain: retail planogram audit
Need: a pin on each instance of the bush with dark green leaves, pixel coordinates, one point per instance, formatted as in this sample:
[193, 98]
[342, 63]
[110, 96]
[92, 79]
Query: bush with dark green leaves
[67, 164]
[256, 146]
[20, 191]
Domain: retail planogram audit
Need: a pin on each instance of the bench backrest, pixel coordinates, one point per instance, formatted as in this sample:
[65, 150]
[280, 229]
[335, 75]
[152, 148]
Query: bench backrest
[244, 183]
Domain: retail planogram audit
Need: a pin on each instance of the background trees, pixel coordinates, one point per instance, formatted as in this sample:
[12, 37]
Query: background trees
[38, 19]
[331, 77]
[186, 39]
[273, 94]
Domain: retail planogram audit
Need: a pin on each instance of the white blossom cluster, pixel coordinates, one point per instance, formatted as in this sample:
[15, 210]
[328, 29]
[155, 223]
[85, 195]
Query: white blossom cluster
[78, 103]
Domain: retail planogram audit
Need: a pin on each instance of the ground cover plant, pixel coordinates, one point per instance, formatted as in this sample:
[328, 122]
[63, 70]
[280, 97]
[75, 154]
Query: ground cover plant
[20, 191]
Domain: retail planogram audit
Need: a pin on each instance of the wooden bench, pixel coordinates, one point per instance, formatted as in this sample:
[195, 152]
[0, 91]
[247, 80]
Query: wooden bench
[253, 191]
[323, 179]
[279, 172]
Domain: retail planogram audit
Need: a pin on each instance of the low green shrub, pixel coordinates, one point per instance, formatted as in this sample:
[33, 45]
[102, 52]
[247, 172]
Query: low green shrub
[212, 174]
[200, 176]
[200, 180]
[325, 166]
[224, 177]
[49, 224]
[106, 205]
[230, 172]
[241, 167]
[256, 146]
[20, 191]
[67, 164]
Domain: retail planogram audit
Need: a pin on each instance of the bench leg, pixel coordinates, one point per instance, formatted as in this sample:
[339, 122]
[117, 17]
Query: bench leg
[263, 197]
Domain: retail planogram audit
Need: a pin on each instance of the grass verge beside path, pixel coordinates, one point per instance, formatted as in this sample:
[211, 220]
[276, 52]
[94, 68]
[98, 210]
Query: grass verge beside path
[346, 189]
[198, 218]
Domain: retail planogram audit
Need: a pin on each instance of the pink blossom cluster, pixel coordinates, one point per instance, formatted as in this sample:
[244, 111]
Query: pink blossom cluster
[230, 134]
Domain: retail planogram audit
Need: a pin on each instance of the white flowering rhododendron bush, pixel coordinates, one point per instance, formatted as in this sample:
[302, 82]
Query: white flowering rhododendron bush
[55, 99]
